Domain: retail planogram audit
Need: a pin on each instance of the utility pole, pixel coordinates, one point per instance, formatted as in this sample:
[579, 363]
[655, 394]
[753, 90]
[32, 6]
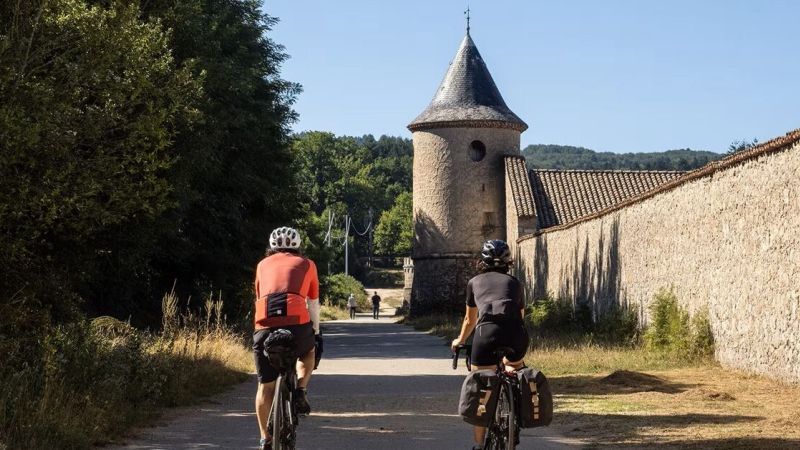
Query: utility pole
[346, 244]
[371, 233]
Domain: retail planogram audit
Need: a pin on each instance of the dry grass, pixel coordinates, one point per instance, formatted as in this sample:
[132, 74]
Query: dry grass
[627, 396]
[698, 407]
[91, 382]
[330, 312]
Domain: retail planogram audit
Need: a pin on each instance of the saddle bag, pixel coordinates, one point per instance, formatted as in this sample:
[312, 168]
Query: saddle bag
[536, 399]
[479, 394]
[279, 348]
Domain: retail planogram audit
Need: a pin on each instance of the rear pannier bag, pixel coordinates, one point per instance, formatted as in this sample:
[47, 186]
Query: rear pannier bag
[536, 399]
[479, 397]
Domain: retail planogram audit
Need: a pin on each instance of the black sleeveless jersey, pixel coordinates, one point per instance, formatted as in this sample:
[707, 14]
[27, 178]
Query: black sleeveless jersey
[497, 296]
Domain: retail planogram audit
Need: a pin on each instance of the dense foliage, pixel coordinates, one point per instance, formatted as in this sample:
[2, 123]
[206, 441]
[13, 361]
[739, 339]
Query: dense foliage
[337, 289]
[340, 175]
[141, 145]
[395, 231]
[541, 156]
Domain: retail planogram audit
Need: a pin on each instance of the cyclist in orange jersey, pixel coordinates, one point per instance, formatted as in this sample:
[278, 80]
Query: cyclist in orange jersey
[287, 297]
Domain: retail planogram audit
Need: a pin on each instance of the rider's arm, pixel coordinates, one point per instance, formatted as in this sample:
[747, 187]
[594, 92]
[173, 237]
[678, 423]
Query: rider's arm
[312, 301]
[470, 319]
[469, 324]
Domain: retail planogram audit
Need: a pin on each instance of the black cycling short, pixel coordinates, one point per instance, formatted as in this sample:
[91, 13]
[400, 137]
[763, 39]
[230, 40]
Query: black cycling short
[490, 336]
[303, 343]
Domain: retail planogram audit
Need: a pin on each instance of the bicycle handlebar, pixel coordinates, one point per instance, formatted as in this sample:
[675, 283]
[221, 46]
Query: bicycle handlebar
[467, 355]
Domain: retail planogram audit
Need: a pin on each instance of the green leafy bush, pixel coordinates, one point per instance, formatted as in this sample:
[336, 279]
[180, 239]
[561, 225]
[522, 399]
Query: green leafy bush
[336, 288]
[671, 329]
[554, 317]
[549, 315]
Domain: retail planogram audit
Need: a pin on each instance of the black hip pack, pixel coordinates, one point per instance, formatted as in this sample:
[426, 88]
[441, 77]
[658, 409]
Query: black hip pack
[478, 399]
[536, 399]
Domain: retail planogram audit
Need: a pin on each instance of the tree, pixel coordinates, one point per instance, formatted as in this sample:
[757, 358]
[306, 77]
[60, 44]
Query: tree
[742, 145]
[234, 180]
[395, 232]
[91, 99]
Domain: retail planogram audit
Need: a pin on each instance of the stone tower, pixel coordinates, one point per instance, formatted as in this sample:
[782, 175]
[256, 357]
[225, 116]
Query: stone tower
[460, 140]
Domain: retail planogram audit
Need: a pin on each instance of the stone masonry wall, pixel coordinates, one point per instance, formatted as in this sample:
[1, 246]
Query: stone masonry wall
[728, 242]
[440, 285]
[458, 204]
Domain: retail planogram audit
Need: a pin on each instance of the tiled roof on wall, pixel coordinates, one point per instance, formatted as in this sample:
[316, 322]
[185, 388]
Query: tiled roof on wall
[517, 173]
[467, 96]
[562, 196]
[782, 143]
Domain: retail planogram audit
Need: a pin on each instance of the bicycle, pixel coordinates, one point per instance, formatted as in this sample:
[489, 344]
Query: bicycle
[502, 432]
[283, 418]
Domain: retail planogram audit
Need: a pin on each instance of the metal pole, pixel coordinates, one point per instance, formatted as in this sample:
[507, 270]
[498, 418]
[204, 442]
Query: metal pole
[346, 245]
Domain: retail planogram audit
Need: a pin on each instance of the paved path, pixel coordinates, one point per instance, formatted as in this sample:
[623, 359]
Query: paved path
[380, 386]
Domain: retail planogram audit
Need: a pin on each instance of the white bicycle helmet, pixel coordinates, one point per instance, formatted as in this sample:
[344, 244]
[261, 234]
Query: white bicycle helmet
[284, 238]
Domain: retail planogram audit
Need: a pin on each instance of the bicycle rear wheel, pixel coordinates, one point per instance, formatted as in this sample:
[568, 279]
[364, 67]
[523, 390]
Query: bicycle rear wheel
[502, 433]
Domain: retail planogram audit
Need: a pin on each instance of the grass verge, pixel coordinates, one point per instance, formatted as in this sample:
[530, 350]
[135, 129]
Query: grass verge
[332, 312]
[91, 381]
[664, 390]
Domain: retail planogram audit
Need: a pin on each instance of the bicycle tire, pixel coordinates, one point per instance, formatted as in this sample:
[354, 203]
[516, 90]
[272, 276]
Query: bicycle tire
[276, 415]
[511, 418]
[282, 435]
[501, 434]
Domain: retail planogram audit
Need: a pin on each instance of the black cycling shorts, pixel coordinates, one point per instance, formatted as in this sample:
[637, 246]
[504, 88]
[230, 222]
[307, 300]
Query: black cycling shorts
[303, 343]
[490, 336]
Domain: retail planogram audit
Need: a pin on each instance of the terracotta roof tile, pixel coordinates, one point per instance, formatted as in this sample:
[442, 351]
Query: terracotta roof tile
[562, 196]
[517, 173]
[547, 214]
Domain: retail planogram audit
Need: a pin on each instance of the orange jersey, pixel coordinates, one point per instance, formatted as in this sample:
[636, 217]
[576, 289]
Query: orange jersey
[283, 282]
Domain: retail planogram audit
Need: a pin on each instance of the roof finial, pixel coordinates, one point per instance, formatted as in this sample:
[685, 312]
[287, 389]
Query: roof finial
[467, 13]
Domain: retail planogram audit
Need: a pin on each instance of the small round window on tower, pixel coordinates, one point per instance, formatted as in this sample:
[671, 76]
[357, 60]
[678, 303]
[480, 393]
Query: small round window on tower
[477, 151]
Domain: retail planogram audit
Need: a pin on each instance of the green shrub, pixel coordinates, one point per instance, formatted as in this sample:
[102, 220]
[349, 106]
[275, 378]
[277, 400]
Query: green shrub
[619, 325]
[549, 317]
[336, 288]
[671, 329]
[702, 336]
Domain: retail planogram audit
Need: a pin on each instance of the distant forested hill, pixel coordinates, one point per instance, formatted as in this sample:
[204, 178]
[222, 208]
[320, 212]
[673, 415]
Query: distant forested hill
[541, 156]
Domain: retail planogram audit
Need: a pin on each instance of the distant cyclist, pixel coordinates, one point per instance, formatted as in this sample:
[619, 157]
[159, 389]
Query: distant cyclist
[287, 296]
[495, 309]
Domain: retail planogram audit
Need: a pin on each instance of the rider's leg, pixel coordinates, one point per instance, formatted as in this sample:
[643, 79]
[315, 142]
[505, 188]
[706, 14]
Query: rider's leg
[305, 366]
[263, 405]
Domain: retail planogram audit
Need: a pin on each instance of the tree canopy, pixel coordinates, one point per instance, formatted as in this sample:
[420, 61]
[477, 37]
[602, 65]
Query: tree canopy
[541, 156]
[142, 144]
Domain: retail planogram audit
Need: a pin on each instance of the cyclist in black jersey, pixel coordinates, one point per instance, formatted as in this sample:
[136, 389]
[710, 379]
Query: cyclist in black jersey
[495, 311]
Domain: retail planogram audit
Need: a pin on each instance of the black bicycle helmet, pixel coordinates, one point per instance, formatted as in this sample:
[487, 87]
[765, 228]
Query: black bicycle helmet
[495, 252]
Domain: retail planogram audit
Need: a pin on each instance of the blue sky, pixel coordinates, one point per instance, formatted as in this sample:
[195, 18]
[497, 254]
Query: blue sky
[611, 75]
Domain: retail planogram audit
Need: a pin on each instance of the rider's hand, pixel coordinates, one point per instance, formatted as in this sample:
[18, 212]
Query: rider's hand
[453, 345]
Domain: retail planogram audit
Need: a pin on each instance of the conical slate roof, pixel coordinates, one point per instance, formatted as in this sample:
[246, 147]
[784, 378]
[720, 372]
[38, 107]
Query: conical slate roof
[467, 97]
